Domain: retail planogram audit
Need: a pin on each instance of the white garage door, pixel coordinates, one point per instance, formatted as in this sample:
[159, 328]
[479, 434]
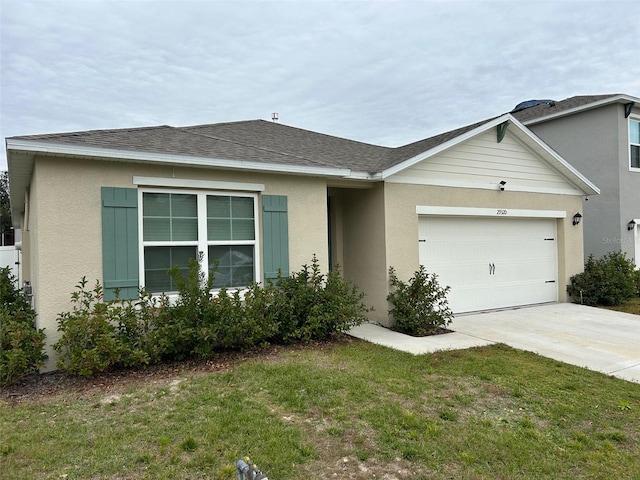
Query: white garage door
[491, 262]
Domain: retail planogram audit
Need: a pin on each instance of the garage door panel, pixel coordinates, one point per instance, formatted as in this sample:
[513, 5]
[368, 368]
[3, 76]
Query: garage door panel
[491, 262]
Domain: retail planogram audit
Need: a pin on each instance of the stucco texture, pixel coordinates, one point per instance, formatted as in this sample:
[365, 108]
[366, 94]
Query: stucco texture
[402, 222]
[65, 230]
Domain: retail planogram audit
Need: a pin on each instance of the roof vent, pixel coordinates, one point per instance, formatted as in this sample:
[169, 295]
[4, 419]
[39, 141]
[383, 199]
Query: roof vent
[533, 103]
[274, 117]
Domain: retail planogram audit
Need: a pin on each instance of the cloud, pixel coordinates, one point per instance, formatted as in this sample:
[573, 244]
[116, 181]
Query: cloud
[381, 72]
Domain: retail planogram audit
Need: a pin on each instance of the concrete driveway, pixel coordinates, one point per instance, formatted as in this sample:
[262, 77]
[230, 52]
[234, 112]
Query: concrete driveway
[597, 339]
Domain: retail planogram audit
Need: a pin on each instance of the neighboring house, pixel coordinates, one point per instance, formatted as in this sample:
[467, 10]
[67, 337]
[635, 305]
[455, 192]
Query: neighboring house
[488, 207]
[600, 136]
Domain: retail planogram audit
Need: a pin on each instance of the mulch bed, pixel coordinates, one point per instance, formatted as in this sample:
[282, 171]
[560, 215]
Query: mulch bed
[38, 386]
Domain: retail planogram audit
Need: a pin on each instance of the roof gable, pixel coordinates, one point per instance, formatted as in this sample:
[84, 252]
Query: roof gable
[477, 159]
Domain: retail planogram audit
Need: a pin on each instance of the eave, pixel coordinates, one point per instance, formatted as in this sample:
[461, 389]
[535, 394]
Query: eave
[621, 99]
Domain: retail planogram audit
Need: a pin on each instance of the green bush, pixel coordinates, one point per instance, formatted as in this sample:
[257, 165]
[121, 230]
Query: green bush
[181, 333]
[609, 280]
[98, 335]
[312, 306]
[21, 343]
[420, 307]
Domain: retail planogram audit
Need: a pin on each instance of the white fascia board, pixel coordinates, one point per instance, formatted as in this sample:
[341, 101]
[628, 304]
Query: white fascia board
[365, 176]
[197, 184]
[444, 146]
[587, 106]
[147, 157]
[565, 167]
[492, 186]
[488, 212]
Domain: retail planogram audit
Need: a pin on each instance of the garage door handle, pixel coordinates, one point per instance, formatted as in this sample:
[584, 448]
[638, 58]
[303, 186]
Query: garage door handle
[492, 269]
[550, 281]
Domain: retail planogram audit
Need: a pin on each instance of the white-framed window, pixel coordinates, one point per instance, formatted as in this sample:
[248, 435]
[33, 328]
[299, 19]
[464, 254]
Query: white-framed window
[634, 143]
[177, 224]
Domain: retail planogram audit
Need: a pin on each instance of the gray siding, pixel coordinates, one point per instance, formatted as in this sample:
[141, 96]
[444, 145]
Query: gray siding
[596, 143]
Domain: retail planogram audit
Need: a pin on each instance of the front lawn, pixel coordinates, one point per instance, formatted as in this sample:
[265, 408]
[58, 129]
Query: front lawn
[342, 410]
[630, 306]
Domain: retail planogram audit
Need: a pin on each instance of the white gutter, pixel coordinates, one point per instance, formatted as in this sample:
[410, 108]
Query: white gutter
[95, 152]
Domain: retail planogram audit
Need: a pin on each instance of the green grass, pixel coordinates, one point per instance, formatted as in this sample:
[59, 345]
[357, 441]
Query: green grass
[351, 409]
[632, 306]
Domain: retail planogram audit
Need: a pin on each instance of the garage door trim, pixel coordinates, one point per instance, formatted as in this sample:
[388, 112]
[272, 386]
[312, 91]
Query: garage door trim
[488, 212]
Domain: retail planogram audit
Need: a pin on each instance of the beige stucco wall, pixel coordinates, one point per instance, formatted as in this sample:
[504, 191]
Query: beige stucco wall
[364, 250]
[66, 229]
[402, 222]
[375, 227]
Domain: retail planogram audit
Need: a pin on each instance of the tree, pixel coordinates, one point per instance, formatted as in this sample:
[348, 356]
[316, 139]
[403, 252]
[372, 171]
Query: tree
[5, 207]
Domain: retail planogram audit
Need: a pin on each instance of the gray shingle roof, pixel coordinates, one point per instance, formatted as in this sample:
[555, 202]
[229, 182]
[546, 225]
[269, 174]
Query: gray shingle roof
[256, 140]
[544, 109]
[267, 142]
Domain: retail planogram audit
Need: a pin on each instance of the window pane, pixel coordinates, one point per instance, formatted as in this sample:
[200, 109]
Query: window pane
[218, 206]
[230, 218]
[157, 260]
[242, 207]
[634, 132]
[184, 205]
[156, 229]
[635, 156]
[219, 229]
[235, 265]
[243, 229]
[169, 217]
[155, 205]
[184, 229]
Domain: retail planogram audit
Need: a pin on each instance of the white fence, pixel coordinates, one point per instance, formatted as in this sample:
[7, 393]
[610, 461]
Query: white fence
[8, 258]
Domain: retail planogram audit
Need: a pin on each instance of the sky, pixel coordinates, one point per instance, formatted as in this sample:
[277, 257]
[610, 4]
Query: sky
[381, 72]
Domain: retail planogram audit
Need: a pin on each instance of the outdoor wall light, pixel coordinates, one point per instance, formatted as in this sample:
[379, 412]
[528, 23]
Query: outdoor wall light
[576, 218]
[502, 184]
[631, 225]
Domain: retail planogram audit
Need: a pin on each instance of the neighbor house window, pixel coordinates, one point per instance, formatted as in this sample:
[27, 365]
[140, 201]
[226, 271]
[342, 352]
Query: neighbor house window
[176, 226]
[634, 141]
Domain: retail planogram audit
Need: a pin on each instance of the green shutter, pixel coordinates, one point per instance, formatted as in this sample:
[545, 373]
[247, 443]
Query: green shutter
[120, 242]
[275, 236]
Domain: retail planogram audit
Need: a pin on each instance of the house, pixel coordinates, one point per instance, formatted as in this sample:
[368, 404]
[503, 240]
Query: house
[600, 136]
[488, 207]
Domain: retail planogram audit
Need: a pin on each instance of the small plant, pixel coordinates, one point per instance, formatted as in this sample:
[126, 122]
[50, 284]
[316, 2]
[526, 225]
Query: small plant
[21, 343]
[420, 307]
[189, 445]
[623, 405]
[610, 280]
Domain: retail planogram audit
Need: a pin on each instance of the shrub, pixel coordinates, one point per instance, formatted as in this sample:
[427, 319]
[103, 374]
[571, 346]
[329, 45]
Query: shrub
[181, 332]
[312, 306]
[420, 307]
[609, 280]
[98, 335]
[21, 343]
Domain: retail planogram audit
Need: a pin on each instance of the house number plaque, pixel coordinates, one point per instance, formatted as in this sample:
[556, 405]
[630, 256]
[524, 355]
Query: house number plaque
[501, 212]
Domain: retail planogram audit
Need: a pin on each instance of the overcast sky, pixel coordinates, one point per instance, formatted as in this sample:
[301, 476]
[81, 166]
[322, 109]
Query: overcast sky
[382, 72]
